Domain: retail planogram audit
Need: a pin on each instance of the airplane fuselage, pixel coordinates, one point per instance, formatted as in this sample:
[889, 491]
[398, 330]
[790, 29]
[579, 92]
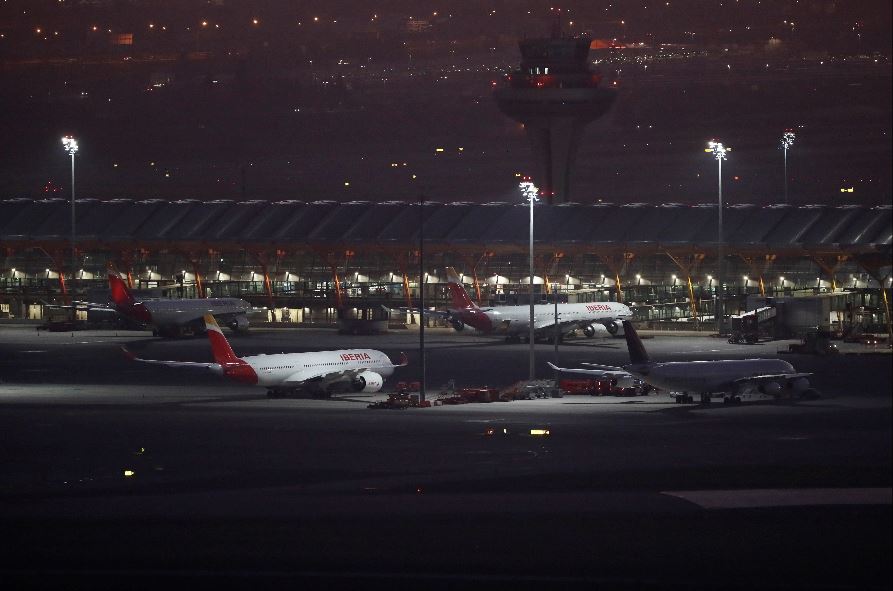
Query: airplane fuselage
[516, 319]
[166, 312]
[284, 369]
[706, 376]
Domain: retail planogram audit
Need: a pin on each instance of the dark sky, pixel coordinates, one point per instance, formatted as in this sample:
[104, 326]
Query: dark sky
[356, 104]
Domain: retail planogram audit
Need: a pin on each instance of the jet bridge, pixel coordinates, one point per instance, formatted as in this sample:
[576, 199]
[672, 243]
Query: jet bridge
[751, 326]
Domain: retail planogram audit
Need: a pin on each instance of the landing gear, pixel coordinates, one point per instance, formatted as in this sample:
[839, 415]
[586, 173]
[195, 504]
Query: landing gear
[732, 400]
[684, 398]
[705, 398]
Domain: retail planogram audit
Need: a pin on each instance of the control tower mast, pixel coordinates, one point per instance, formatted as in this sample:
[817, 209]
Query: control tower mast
[554, 93]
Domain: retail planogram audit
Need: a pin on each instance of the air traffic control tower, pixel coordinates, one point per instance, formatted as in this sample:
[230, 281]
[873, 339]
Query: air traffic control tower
[554, 94]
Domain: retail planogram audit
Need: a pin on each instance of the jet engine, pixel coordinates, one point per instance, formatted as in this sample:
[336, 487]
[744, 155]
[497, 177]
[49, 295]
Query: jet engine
[771, 388]
[799, 385]
[367, 381]
[591, 330]
[239, 324]
[613, 327]
[457, 323]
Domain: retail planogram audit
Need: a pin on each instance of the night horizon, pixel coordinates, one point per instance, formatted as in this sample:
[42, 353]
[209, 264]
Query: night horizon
[264, 102]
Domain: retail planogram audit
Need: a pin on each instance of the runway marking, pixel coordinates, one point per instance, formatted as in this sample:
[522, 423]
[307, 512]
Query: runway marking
[783, 497]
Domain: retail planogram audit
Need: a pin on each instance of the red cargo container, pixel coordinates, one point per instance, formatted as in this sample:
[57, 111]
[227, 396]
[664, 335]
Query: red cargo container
[590, 386]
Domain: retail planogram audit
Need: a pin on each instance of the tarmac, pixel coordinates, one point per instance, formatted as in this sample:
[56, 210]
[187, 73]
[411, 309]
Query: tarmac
[116, 472]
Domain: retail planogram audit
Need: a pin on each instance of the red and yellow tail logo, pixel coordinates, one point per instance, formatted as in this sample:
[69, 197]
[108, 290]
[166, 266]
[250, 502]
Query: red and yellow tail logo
[458, 295]
[223, 353]
[120, 294]
[235, 368]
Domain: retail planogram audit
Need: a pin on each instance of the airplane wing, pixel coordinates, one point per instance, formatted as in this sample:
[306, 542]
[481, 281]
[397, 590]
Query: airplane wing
[81, 305]
[130, 355]
[601, 367]
[771, 377]
[433, 313]
[544, 324]
[606, 371]
[325, 377]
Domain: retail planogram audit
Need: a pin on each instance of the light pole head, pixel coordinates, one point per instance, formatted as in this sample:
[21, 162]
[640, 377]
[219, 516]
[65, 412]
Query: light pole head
[787, 139]
[717, 149]
[529, 190]
[70, 144]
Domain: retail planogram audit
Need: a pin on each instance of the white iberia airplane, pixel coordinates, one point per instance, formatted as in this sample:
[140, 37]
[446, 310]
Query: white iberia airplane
[730, 378]
[514, 321]
[360, 370]
[168, 317]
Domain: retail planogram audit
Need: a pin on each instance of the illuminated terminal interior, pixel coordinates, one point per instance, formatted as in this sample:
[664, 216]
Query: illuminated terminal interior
[300, 262]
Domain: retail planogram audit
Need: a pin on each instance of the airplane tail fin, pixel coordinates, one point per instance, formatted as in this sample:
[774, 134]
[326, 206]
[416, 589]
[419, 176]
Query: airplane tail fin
[223, 353]
[460, 297]
[637, 352]
[120, 294]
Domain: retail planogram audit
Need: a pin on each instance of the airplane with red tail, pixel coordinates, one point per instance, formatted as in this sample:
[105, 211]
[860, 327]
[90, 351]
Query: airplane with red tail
[171, 317]
[320, 372]
[514, 321]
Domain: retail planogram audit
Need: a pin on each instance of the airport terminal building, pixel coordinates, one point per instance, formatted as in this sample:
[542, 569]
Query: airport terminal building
[309, 262]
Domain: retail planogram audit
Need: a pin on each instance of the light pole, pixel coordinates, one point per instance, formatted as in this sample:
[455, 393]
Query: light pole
[71, 146]
[787, 140]
[529, 191]
[719, 152]
[422, 282]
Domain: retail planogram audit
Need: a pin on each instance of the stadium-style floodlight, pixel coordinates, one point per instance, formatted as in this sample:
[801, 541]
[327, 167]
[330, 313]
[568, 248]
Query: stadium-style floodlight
[719, 153]
[71, 146]
[787, 140]
[529, 192]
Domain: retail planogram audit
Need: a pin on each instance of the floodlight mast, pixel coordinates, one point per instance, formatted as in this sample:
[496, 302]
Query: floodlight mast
[530, 191]
[719, 153]
[787, 141]
[71, 146]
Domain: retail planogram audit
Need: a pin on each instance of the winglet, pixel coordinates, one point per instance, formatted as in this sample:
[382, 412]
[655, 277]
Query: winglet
[404, 360]
[553, 366]
[128, 353]
[637, 352]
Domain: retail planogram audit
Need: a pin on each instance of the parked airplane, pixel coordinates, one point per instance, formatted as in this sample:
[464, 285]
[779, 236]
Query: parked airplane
[514, 321]
[169, 317]
[730, 378]
[324, 372]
